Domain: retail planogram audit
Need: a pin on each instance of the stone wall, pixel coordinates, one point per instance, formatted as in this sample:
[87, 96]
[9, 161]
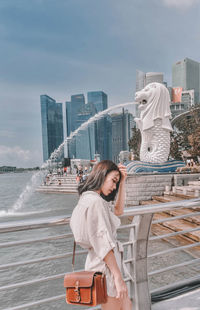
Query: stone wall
[143, 187]
[183, 179]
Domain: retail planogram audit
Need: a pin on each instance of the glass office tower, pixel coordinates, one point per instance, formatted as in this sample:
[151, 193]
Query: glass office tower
[140, 80]
[85, 140]
[104, 137]
[99, 99]
[103, 134]
[186, 74]
[94, 139]
[122, 124]
[52, 125]
[72, 110]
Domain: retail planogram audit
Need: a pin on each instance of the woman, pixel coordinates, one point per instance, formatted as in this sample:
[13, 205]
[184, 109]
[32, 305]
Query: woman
[94, 226]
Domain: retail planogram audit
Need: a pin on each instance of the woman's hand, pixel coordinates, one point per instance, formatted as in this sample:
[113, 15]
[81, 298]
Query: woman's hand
[122, 291]
[123, 171]
[121, 287]
[119, 205]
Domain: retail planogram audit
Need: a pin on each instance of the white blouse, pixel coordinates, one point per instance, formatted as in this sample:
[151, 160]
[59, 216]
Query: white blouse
[94, 226]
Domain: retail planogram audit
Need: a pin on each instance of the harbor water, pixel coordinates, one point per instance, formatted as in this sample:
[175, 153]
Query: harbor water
[47, 205]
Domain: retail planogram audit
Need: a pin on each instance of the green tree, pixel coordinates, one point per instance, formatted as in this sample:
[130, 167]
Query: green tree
[175, 151]
[187, 133]
[135, 143]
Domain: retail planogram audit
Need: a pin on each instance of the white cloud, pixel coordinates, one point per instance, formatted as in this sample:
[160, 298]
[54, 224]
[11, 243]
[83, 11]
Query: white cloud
[16, 156]
[180, 4]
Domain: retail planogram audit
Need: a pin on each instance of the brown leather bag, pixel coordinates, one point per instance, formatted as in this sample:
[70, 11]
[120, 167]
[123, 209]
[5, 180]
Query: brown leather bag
[85, 287]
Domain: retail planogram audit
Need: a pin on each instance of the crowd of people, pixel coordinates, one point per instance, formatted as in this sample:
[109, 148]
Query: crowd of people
[80, 172]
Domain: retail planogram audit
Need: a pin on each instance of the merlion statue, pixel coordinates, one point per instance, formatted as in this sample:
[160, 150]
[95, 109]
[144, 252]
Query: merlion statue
[154, 123]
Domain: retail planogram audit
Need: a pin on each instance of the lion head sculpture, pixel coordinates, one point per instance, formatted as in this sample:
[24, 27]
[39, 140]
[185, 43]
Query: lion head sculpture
[154, 102]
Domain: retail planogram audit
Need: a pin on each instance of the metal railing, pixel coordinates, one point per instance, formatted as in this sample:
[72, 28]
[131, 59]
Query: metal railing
[137, 239]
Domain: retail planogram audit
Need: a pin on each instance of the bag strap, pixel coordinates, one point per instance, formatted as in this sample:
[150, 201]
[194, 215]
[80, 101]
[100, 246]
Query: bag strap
[73, 257]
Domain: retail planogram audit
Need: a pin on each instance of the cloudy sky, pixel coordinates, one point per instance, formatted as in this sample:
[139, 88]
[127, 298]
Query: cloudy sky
[65, 47]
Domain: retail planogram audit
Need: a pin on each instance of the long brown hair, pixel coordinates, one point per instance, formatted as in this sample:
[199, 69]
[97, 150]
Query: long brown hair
[96, 178]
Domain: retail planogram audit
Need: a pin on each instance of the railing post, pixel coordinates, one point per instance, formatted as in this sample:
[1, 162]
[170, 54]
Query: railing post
[139, 236]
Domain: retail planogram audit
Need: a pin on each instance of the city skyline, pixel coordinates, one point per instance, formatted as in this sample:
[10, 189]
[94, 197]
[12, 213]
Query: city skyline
[63, 48]
[106, 137]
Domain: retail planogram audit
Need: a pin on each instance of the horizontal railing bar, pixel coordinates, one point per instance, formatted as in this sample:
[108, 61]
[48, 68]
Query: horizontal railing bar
[127, 243]
[130, 211]
[174, 234]
[37, 303]
[179, 217]
[40, 280]
[155, 208]
[174, 266]
[25, 283]
[175, 249]
[126, 226]
[34, 224]
[41, 260]
[129, 260]
[176, 284]
[127, 279]
[30, 241]
[32, 282]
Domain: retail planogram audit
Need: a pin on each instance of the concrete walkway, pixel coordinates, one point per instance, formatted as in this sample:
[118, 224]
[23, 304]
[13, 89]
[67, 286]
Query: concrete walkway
[187, 301]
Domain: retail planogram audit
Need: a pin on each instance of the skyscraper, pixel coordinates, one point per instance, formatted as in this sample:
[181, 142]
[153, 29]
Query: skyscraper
[186, 74]
[154, 77]
[72, 109]
[99, 99]
[52, 125]
[140, 80]
[143, 79]
[104, 137]
[103, 126]
[95, 138]
[122, 123]
[85, 140]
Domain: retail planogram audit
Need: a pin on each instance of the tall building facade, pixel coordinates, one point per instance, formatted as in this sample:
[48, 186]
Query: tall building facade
[140, 80]
[99, 99]
[52, 125]
[72, 110]
[181, 101]
[143, 79]
[103, 126]
[95, 138]
[122, 124]
[103, 137]
[85, 140]
[154, 77]
[186, 74]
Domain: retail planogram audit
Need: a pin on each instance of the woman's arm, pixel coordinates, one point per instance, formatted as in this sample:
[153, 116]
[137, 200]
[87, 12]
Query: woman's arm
[120, 202]
[121, 287]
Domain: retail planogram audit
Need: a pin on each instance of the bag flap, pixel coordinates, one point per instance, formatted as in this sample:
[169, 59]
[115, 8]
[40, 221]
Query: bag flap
[82, 279]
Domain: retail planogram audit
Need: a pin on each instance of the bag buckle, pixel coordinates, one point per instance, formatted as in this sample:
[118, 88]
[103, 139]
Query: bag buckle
[77, 291]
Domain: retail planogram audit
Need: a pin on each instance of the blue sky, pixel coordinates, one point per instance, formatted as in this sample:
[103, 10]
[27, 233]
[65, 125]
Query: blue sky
[65, 47]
